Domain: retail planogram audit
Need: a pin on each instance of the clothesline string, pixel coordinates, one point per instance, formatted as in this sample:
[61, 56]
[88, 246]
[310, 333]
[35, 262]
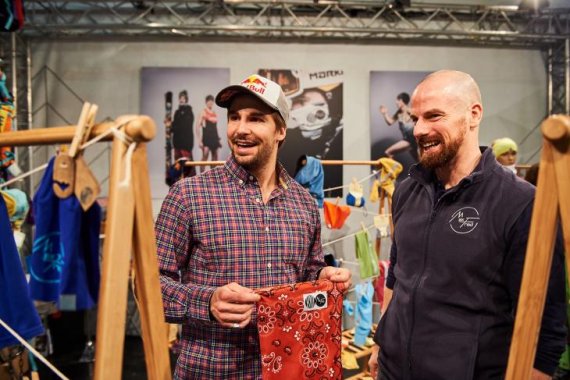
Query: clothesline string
[33, 351]
[114, 130]
[346, 236]
[374, 172]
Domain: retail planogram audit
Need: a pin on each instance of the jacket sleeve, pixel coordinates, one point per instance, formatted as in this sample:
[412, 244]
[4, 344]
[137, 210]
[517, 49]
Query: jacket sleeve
[391, 278]
[552, 338]
[173, 237]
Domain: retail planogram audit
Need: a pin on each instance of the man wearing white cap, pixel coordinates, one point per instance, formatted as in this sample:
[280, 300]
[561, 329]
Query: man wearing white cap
[238, 227]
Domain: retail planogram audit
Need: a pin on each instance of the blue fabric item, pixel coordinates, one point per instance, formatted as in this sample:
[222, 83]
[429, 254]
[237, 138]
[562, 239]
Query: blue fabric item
[16, 306]
[363, 316]
[311, 176]
[65, 255]
[348, 308]
[358, 201]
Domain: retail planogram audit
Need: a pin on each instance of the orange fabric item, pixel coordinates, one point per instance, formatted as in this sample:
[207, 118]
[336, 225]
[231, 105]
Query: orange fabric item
[300, 330]
[335, 215]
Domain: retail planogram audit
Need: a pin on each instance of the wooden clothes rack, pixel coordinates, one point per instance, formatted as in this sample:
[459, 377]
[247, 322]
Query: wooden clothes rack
[552, 198]
[129, 215]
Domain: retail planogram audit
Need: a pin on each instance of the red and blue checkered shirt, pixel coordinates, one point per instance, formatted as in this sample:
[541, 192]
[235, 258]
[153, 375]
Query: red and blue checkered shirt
[214, 229]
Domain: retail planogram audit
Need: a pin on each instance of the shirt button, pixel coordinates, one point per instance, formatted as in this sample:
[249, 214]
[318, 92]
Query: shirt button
[251, 178]
[269, 265]
[266, 229]
[241, 182]
[257, 200]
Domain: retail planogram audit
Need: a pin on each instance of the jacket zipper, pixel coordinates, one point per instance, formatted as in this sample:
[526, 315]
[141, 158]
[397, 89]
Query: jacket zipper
[417, 282]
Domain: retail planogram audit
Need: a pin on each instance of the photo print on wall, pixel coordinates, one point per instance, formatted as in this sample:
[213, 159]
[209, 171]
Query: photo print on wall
[315, 127]
[189, 124]
[391, 129]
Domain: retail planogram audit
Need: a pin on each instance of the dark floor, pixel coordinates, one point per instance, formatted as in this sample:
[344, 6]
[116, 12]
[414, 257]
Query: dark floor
[69, 345]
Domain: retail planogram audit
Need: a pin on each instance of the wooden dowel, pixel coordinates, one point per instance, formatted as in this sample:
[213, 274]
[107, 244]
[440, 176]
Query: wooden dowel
[323, 162]
[139, 128]
[556, 128]
[154, 327]
[538, 261]
[112, 308]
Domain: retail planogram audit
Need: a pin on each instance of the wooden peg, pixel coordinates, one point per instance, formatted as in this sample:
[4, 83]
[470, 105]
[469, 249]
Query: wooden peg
[86, 187]
[64, 166]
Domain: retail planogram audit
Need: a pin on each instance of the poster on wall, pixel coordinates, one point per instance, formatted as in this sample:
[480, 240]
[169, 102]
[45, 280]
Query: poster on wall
[315, 126]
[189, 124]
[391, 129]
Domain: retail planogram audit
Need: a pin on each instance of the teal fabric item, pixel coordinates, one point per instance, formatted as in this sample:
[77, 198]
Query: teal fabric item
[363, 318]
[22, 204]
[348, 308]
[366, 256]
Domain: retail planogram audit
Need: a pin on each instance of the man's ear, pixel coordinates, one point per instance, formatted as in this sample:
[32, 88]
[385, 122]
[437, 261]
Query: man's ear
[282, 132]
[476, 115]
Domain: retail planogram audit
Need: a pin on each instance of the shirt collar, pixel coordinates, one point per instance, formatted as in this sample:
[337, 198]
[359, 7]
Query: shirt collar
[243, 176]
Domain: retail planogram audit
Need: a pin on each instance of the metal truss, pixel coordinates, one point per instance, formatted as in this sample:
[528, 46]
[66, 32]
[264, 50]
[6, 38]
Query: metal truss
[317, 21]
[558, 65]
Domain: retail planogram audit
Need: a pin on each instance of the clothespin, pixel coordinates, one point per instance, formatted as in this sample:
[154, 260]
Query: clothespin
[64, 165]
[86, 187]
[363, 227]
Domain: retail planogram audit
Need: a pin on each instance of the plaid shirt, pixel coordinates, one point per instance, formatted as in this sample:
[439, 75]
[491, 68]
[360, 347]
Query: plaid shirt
[214, 229]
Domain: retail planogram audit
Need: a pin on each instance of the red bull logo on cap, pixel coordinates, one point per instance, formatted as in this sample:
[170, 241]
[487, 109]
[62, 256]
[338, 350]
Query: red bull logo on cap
[254, 83]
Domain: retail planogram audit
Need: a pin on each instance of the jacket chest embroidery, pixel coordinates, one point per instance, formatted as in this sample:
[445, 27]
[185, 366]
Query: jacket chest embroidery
[464, 220]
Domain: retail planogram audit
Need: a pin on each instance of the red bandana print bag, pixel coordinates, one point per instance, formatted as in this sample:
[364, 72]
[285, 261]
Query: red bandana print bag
[300, 330]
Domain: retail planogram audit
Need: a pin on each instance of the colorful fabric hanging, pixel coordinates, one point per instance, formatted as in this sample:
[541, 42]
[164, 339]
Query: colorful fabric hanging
[363, 315]
[311, 176]
[335, 215]
[64, 265]
[300, 330]
[16, 306]
[355, 196]
[366, 255]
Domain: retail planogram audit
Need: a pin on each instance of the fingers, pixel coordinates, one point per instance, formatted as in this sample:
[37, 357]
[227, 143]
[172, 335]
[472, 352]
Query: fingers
[373, 362]
[337, 275]
[232, 305]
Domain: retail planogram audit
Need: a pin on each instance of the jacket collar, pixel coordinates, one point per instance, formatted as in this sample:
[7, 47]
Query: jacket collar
[485, 167]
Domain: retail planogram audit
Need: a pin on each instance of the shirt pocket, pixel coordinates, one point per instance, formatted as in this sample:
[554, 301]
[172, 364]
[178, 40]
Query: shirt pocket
[295, 241]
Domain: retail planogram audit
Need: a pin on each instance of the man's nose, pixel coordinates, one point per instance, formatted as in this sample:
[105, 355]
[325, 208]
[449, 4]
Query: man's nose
[243, 126]
[420, 129]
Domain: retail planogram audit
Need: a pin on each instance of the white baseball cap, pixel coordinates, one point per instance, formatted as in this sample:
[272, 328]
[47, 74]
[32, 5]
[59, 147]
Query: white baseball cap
[266, 90]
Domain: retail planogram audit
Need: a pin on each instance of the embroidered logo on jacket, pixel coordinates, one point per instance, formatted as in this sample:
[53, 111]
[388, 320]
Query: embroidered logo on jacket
[464, 220]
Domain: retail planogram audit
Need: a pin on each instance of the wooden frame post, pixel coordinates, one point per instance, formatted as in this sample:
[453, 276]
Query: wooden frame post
[552, 196]
[129, 226]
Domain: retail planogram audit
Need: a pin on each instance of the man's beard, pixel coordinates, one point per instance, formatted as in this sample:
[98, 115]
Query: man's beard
[447, 153]
[251, 163]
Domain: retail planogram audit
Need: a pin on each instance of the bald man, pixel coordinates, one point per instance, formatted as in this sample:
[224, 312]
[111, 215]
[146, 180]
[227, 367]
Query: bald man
[461, 227]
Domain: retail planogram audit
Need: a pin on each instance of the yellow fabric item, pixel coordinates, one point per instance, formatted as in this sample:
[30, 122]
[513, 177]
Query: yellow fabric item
[502, 146]
[348, 360]
[374, 191]
[10, 203]
[389, 170]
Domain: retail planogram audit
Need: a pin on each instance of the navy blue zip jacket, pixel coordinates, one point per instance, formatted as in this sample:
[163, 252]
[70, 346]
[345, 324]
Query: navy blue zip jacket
[456, 267]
